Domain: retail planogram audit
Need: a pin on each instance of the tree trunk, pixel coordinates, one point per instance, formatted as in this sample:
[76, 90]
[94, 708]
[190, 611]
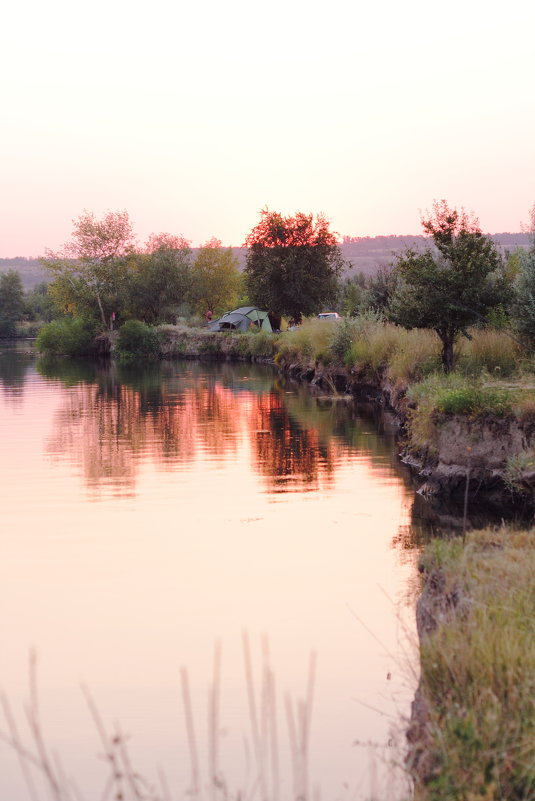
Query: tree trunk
[102, 315]
[448, 340]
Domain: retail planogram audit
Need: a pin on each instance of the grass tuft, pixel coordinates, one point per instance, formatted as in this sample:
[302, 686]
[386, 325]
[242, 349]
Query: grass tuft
[478, 670]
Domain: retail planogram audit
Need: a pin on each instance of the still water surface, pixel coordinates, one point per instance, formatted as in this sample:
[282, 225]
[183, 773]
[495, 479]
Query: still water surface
[149, 515]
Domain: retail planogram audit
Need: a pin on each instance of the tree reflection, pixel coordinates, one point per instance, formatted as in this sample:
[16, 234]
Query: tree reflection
[172, 415]
[15, 364]
[286, 453]
[111, 424]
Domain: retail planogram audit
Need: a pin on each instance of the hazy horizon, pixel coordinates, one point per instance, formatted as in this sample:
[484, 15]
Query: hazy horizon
[521, 235]
[193, 117]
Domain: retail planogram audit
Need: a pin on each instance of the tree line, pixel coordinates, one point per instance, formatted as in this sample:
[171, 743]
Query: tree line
[294, 268]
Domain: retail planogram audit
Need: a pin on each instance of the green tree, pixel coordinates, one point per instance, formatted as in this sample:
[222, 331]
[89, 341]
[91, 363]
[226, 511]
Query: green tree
[91, 271]
[352, 294]
[451, 286]
[11, 302]
[39, 305]
[161, 279]
[293, 264]
[524, 303]
[216, 278]
[381, 288]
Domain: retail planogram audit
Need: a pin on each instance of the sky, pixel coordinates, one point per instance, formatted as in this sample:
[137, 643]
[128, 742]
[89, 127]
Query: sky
[194, 116]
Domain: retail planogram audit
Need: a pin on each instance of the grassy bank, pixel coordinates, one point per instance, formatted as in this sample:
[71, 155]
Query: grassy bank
[478, 669]
[493, 375]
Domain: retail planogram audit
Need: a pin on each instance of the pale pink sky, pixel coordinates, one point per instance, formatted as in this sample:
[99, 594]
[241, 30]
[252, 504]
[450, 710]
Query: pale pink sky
[194, 116]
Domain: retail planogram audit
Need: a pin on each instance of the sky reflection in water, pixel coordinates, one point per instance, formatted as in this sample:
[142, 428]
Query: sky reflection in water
[149, 513]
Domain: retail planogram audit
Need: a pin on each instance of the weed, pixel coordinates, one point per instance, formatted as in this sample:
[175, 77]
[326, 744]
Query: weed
[478, 670]
[515, 469]
[474, 400]
[487, 350]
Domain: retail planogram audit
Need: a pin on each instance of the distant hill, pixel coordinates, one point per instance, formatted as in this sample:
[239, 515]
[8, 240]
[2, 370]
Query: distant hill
[365, 254]
[369, 253]
[30, 271]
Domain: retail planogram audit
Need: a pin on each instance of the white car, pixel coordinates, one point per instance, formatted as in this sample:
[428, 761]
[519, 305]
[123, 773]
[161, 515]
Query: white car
[329, 316]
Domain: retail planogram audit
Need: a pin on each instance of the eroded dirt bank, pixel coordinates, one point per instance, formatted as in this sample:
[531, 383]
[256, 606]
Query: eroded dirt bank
[481, 462]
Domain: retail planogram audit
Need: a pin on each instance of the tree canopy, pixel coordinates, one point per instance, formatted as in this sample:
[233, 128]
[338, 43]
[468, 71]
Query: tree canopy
[89, 272]
[524, 304]
[11, 302]
[293, 264]
[452, 285]
[216, 279]
[159, 280]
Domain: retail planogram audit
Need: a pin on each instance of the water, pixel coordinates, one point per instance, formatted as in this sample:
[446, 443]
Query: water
[152, 516]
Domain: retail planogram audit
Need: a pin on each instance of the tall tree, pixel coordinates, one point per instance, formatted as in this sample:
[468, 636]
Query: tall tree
[160, 280]
[451, 286]
[216, 279]
[90, 271]
[293, 264]
[11, 302]
[524, 304]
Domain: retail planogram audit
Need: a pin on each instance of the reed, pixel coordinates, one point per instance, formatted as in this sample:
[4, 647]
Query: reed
[42, 768]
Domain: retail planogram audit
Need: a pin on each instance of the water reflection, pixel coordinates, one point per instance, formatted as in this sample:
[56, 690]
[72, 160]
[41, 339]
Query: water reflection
[287, 454]
[16, 360]
[114, 418]
[157, 510]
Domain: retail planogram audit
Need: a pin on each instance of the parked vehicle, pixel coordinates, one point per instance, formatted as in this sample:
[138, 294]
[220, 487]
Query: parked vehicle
[329, 316]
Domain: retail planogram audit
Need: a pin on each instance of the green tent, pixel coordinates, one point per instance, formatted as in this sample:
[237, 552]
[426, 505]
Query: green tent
[242, 319]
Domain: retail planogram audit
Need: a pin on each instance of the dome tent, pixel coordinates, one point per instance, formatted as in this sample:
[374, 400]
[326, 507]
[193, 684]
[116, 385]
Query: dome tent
[242, 319]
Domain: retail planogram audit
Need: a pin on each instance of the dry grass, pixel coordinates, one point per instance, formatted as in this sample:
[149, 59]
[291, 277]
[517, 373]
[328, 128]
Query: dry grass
[489, 351]
[478, 669]
[308, 343]
[42, 769]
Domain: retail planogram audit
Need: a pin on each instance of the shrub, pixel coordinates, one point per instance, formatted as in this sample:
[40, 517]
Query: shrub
[136, 341]
[474, 400]
[66, 337]
[342, 338]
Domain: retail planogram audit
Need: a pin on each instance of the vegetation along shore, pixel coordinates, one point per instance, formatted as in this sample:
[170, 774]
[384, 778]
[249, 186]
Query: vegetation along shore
[444, 336]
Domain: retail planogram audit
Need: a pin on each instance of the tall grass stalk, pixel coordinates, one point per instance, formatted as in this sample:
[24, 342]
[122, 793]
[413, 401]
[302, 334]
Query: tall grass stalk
[478, 669]
[124, 781]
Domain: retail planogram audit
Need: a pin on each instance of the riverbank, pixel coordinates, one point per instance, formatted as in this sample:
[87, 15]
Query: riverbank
[472, 734]
[468, 435]
[314, 360]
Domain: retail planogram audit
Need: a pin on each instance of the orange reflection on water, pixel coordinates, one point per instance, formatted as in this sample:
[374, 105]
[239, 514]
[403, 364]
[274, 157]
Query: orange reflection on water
[227, 499]
[110, 428]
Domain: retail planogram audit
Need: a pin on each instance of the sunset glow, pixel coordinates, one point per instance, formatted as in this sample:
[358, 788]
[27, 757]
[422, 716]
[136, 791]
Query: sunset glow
[195, 116]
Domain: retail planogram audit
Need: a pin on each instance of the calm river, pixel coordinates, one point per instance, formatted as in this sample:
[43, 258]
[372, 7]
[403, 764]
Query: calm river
[157, 522]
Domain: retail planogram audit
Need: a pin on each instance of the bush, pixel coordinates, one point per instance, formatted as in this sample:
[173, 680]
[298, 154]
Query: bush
[136, 341]
[342, 338]
[474, 400]
[66, 337]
